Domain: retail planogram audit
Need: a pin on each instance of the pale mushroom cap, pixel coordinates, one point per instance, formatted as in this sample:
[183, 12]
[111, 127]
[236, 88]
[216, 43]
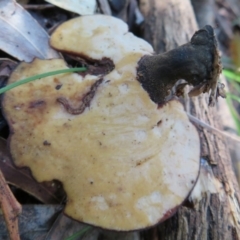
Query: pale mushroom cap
[125, 164]
[98, 36]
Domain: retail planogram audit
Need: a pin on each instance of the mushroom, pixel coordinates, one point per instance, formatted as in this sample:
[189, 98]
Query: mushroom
[126, 157]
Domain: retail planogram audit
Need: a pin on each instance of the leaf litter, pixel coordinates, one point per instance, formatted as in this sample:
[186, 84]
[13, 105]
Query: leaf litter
[21, 36]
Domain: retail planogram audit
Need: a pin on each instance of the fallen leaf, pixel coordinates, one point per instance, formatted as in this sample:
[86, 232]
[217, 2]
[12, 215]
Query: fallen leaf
[235, 47]
[6, 67]
[34, 222]
[22, 2]
[82, 7]
[21, 36]
[47, 192]
[64, 227]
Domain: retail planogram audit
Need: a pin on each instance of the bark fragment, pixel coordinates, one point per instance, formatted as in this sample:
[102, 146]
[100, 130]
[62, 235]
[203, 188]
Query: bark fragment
[175, 27]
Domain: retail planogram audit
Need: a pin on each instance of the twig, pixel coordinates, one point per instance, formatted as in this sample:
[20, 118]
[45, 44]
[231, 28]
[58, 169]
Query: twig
[38, 6]
[104, 6]
[10, 208]
[212, 129]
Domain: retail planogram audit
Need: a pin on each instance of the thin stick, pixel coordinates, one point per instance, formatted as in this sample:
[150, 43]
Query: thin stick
[10, 208]
[212, 129]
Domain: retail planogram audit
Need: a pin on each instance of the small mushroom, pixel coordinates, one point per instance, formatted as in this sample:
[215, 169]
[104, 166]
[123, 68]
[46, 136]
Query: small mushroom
[125, 161]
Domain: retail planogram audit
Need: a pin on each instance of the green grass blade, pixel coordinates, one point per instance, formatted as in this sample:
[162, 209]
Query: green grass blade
[39, 76]
[235, 85]
[234, 97]
[233, 112]
[232, 75]
[79, 234]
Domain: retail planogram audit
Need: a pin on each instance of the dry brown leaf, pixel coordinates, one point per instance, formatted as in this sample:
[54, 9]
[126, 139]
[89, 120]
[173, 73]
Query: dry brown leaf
[20, 34]
[82, 7]
[47, 192]
[235, 48]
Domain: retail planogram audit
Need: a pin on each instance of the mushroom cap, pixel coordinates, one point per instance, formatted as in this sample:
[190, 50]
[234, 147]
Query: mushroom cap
[124, 162]
[97, 37]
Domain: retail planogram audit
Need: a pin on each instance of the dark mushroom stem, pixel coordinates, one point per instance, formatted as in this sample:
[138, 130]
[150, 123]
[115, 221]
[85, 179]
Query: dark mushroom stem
[197, 62]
